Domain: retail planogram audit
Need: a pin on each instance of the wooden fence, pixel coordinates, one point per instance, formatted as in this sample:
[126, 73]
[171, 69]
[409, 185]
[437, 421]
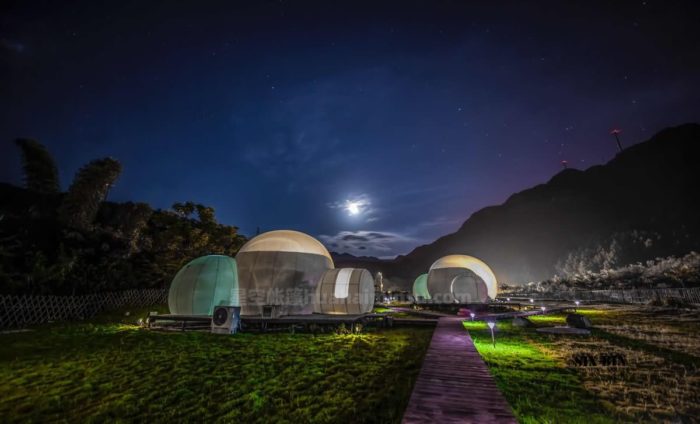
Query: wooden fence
[686, 295]
[21, 311]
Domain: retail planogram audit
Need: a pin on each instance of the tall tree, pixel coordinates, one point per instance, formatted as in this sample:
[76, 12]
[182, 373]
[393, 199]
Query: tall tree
[40, 171]
[88, 190]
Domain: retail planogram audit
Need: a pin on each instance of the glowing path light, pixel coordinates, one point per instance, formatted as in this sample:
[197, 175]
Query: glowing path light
[492, 324]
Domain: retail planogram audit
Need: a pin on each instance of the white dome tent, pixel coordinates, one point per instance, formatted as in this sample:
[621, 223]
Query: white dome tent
[444, 271]
[281, 268]
[469, 288]
[345, 291]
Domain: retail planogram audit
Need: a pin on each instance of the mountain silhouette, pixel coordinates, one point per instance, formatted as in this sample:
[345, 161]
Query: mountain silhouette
[648, 191]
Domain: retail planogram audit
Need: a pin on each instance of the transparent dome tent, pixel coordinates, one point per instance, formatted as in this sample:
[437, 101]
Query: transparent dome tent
[420, 288]
[281, 268]
[443, 272]
[202, 284]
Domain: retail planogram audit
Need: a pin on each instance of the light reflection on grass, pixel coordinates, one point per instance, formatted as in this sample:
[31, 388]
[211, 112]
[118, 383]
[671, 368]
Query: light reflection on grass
[539, 388]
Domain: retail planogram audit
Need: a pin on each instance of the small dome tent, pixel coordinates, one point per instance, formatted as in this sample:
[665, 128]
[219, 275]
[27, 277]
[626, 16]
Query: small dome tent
[444, 270]
[281, 268]
[345, 291]
[202, 284]
[469, 288]
[420, 288]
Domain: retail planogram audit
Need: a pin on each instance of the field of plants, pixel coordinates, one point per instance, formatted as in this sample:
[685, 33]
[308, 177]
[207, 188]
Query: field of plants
[555, 378]
[109, 370]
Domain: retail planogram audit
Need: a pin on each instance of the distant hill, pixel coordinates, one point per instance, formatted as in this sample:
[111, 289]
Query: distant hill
[642, 204]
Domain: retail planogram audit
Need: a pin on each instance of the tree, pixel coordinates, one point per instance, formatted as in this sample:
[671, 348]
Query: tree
[40, 171]
[88, 190]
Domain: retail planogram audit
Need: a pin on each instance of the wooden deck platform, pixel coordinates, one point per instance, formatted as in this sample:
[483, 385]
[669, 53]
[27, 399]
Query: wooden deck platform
[256, 322]
[454, 384]
[511, 315]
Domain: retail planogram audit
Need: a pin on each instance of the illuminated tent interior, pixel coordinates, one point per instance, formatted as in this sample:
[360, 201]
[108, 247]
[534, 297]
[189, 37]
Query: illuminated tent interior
[444, 270]
[202, 284]
[345, 291]
[420, 288]
[281, 268]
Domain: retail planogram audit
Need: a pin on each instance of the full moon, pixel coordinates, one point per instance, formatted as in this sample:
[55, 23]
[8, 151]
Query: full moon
[353, 208]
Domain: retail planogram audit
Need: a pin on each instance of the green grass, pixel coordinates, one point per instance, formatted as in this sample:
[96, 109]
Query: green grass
[539, 388]
[119, 372]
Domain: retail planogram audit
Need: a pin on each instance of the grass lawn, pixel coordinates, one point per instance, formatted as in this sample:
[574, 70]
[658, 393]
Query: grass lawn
[539, 388]
[660, 381]
[107, 371]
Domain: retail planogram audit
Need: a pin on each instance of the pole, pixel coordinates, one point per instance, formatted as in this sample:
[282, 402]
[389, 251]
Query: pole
[493, 338]
[616, 133]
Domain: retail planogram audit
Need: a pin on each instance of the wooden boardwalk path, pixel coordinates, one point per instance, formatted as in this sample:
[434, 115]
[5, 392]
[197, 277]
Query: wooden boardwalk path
[454, 384]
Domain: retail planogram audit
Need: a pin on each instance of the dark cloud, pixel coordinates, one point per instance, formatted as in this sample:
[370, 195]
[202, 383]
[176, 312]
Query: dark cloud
[372, 243]
[353, 237]
[376, 235]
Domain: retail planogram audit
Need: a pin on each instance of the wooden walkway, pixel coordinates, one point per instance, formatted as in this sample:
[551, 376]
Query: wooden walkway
[454, 384]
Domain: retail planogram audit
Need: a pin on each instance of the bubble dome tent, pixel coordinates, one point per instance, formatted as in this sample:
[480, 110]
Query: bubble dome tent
[281, 268]
[469, 288]
[345, 291]
[202, 284]
[444, 271]
[420, 288]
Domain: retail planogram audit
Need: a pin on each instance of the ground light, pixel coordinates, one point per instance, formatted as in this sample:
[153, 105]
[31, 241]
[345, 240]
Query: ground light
[532, 300]
[472, 314]
[491, 325]
[577, 303]
[543, 308]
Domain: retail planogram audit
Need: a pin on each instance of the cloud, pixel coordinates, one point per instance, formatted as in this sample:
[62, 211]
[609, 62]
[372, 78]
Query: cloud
[298, 131]
[371, 243]
[352, 237]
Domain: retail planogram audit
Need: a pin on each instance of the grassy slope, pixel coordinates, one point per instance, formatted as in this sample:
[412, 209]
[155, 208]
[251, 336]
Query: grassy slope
[99, 372]
[539, 388]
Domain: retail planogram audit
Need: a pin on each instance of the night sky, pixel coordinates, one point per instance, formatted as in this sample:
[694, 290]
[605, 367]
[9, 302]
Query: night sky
[279, 113]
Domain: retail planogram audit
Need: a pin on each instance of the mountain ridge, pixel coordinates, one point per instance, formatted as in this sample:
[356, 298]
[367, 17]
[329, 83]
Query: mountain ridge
[648, 188]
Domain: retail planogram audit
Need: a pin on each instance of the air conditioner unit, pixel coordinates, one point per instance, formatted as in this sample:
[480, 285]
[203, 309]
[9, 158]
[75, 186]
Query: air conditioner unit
[226, 320]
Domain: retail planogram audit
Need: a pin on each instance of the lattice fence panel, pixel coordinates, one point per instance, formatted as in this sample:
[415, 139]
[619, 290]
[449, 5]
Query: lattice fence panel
[690, 295]
[22, 311]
